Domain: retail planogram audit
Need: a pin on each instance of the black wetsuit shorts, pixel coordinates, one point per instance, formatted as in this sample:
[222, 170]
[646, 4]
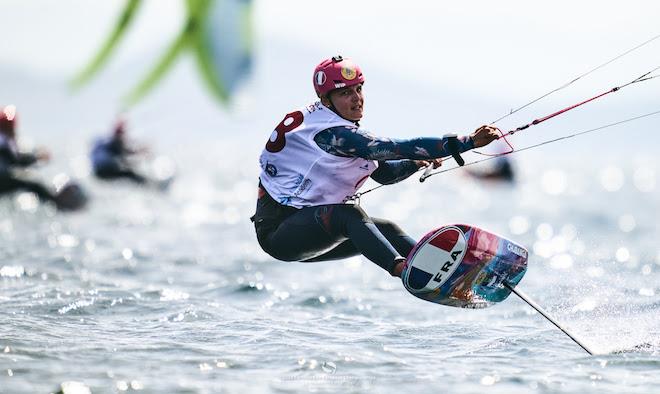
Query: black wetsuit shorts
[327, 232]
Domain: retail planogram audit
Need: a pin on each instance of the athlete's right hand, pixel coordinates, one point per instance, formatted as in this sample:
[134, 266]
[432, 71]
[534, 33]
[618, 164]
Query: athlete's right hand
[425, 163]
[484, 135]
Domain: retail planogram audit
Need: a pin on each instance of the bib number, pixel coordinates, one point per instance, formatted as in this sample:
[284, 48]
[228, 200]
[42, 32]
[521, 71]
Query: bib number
[290, 122]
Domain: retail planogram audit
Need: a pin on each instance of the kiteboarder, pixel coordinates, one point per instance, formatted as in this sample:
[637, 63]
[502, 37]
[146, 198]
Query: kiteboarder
[110, 156]
[319, 156]
[11, 158]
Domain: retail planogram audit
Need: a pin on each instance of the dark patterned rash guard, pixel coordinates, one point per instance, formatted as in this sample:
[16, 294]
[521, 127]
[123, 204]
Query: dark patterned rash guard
[396, 157]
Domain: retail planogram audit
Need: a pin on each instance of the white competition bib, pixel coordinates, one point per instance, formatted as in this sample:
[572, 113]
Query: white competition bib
[297, 173]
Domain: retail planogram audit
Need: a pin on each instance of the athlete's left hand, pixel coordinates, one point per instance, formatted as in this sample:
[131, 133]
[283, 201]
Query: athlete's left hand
[484, 135]
[425, 163]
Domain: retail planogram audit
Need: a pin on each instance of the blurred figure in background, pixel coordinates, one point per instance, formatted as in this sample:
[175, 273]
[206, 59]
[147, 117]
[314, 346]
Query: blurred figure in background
[111, 156]
[500, 170]
[11, 158]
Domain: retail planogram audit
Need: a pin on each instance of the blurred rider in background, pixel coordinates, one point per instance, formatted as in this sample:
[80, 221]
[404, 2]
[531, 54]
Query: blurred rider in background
[11, 159]
[111, 156]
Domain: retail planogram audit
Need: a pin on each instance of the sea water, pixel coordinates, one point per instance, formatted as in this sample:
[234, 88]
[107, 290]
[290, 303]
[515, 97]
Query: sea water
[169, 292]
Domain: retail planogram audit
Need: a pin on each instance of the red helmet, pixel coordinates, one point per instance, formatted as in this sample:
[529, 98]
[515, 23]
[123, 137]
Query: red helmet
[8, 119]
[334, 73]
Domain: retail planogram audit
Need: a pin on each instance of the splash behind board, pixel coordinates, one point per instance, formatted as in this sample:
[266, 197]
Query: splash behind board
[463, 266]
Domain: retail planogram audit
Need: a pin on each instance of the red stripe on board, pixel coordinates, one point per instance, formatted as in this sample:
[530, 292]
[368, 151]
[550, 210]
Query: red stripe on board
[446, 240]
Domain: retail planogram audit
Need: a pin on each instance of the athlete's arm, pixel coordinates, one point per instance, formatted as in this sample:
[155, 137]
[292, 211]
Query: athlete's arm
[17, 158]
[26, 159]
[393, 171]
[350, 142]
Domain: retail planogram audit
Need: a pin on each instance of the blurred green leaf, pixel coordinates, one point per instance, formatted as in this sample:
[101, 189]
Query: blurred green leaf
[204, 57]
[104, 53]
[164, 64]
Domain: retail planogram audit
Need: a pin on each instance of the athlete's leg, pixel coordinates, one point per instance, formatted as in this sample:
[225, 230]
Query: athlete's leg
[344, 250]
[114, 171]
[10, 184]
[6, 184]
[401, 242]
[314, 231]
[132, 175]
[300, 237]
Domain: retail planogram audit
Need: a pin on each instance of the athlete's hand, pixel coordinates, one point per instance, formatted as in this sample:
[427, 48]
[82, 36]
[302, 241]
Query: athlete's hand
[484, 135]
[425, 163]
[42, 155]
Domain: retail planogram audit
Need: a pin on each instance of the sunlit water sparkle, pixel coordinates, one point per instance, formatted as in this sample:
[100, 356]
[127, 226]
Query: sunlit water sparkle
[172, 294]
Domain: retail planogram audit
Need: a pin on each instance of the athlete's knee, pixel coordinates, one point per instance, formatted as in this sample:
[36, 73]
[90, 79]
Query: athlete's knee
[279, 253]
[357, 212]
[334, 219]
[387, 227]
[274, 252]
[345, 212]
[282, 255]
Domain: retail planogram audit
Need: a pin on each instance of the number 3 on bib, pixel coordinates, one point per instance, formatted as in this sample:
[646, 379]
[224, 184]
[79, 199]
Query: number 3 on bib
[277, 140]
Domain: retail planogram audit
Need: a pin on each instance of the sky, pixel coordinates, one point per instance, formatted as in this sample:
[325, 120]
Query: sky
[463, 41]
[460, 38]
[480, 44]
[492, 56]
